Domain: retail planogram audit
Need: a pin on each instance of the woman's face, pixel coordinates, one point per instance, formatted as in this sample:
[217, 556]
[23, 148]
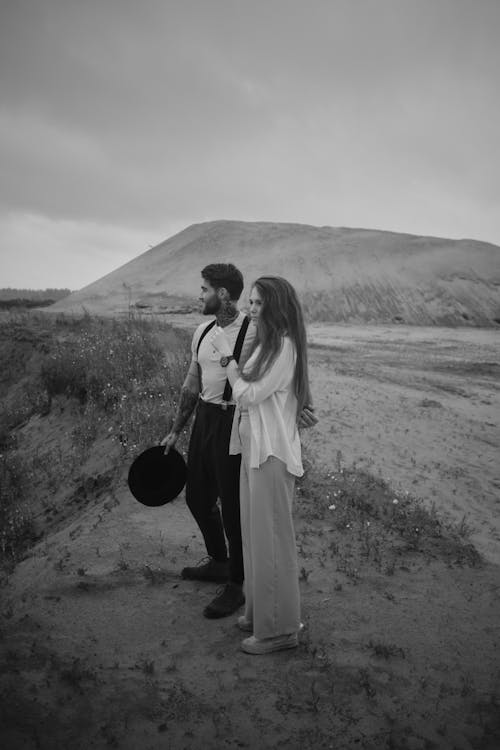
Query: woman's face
[255, 303]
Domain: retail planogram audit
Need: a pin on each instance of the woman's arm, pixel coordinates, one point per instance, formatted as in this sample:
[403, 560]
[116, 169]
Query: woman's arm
[233, 372]
[278, 376]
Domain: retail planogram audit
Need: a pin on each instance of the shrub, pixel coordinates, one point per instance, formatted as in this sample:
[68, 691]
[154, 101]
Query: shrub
[17, 531]
[63, 373]
[107, 360]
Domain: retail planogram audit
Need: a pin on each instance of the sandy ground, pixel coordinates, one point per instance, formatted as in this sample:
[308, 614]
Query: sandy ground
[103, 645]
[106, 647]
[420, 407]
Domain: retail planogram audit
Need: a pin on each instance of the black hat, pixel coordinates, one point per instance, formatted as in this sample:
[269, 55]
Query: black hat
[155, 477]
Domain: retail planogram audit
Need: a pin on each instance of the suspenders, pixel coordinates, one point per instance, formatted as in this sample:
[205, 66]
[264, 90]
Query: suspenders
[204, 333]
[228, 391]
[236, 354]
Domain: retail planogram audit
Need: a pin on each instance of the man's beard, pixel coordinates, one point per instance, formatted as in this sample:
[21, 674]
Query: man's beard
[212, 305]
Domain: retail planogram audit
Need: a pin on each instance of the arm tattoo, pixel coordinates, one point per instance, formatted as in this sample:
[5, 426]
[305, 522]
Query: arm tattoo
[186, 407]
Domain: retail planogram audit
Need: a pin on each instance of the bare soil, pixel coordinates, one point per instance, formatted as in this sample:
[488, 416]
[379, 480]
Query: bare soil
[419, 406]
[104, 645]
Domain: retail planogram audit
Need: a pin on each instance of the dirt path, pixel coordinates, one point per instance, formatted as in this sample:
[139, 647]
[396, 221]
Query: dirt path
[105, 646]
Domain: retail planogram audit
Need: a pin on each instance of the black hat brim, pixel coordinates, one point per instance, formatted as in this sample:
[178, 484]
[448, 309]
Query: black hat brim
[156, 478]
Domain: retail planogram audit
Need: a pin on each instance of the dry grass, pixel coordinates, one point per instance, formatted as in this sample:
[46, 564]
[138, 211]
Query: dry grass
[368, 526]
[117, 380]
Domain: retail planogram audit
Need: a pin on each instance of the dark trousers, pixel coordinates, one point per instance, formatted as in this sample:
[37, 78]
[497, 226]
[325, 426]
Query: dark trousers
[212, 474]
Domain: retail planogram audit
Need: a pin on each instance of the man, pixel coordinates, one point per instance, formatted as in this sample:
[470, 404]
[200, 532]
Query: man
[212, 472]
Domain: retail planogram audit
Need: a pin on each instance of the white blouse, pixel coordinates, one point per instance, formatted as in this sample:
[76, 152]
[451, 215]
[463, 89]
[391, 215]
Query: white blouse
[272, 410]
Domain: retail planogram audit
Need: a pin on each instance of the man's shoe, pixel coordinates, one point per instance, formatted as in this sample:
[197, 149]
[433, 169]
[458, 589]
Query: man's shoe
[212, 570]
[244, 624]
[255, 645]
[226, 602]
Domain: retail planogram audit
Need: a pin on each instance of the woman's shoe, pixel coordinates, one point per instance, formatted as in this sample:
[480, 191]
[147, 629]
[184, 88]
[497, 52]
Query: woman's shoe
[245, 624]
[255, 645]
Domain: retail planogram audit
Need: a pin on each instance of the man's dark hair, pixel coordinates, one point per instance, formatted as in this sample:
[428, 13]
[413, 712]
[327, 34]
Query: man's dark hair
[224, 275]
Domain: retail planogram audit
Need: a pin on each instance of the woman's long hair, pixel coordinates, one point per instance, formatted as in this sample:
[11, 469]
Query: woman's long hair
[281, 315]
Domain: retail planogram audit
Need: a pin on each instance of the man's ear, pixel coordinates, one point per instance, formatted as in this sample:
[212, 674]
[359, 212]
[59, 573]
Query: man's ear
[222, 293]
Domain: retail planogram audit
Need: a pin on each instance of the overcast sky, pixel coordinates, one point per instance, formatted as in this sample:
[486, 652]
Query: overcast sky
[122, 122]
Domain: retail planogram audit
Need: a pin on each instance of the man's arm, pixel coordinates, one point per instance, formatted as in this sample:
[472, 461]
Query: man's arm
[190, 392]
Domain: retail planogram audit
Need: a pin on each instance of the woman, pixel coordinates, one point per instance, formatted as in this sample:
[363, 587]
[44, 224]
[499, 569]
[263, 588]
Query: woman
[270, 393]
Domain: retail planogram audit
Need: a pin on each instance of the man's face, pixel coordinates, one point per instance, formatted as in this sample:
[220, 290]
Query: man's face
[209, 298]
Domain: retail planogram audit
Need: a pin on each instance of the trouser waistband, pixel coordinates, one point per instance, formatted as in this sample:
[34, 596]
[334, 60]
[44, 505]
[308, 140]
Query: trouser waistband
[223, 407]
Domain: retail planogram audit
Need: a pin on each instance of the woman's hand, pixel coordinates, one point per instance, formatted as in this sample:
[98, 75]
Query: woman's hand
[220, 342]
[307, 417]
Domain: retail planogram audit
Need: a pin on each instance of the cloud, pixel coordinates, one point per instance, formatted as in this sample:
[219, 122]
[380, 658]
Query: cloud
[155, 115]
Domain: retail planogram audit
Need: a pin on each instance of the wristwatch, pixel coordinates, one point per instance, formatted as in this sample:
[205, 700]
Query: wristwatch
[225, 360]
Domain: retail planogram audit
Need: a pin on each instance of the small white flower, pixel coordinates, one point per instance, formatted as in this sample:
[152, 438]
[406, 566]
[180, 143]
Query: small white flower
[331, 507]
[395, 501]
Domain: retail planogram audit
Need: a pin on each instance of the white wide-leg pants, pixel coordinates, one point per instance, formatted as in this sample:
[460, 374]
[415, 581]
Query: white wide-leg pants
[269, 548]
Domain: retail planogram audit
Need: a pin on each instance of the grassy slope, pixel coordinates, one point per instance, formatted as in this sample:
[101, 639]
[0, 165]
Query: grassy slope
[401, 614]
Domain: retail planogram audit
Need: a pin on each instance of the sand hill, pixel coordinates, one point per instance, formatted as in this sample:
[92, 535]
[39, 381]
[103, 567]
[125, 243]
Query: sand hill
[343, 275]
